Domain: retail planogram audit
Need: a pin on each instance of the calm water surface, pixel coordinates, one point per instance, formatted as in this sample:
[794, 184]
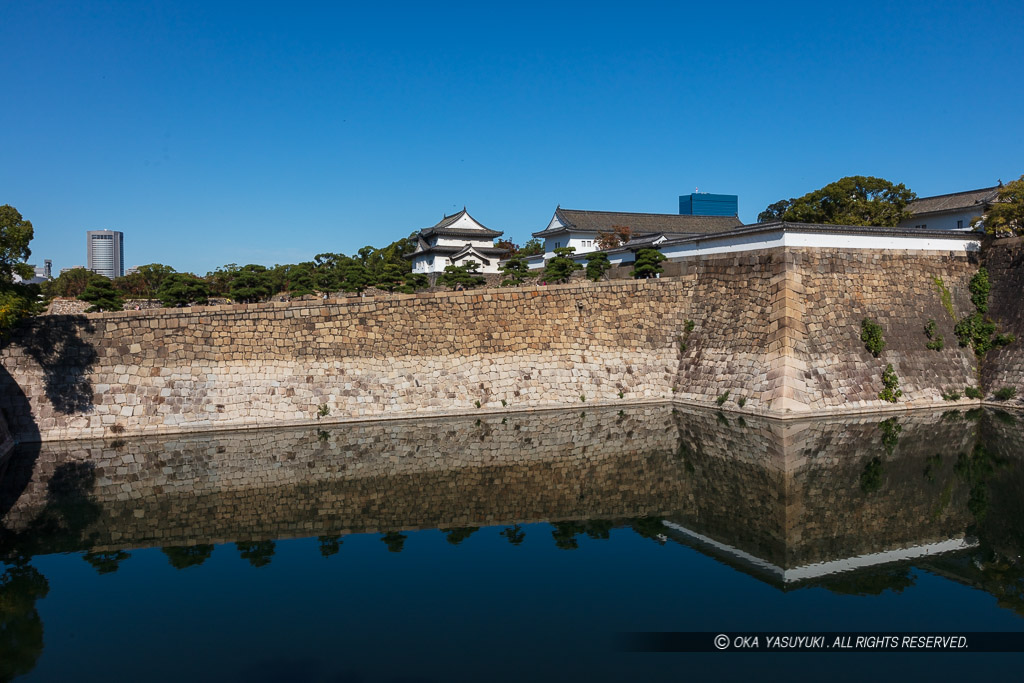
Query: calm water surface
[510, 548]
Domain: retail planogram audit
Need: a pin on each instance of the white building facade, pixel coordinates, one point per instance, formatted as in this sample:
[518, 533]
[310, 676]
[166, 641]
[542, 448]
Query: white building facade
[953, 211]
[455, 241]
[580, 229]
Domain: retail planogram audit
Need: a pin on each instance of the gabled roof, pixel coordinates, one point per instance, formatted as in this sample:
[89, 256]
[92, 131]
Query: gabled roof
[496, 252]
[955, 201]
[445, 228]
[639, 223]
[470, 250]
[650, 240]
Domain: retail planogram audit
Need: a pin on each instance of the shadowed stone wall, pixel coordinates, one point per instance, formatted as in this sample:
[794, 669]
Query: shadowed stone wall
[6, 440]
[778, 328]
[1004, 259]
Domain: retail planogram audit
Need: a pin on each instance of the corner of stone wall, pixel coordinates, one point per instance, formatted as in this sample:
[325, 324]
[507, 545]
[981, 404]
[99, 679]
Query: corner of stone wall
[787, 340]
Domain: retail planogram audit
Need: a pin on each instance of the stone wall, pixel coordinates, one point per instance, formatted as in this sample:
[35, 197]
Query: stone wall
[6, 440]
[778, 329]
[1004, 259]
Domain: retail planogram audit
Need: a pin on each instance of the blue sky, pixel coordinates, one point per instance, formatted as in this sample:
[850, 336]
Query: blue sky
[217, 132]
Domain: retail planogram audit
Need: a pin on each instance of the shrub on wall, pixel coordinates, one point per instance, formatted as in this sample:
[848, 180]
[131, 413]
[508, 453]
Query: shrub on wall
[890, 385]
[1006, 393]
[935, 341]
[871, 335]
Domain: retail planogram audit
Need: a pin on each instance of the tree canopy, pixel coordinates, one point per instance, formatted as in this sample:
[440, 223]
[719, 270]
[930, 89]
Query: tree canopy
[466, 276]
[561, 266]
[516, 271]
[15, 234]
[854, 200]
[102, 295]
[182, 289]
[617, 235]
[647, 263]
[775, 211]
[597, 265]
[1006, 215]
[532, 248]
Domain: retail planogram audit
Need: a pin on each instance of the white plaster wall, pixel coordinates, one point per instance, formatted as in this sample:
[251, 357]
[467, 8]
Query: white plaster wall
[945, 221]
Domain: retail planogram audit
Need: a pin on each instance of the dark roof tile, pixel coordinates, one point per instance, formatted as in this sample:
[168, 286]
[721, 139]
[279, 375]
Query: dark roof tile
[954, 201]
[641, 223]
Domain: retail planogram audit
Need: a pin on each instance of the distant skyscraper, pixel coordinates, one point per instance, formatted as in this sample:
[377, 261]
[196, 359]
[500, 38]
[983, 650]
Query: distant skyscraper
[105, 251]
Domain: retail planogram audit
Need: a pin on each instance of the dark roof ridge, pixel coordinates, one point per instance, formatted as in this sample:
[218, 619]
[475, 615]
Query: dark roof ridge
[638, 213]
[953, 194]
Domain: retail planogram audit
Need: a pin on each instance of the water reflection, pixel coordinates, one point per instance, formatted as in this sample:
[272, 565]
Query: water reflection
[843, 504]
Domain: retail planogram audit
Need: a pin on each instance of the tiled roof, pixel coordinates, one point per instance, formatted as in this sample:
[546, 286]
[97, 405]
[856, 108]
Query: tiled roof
[954, 201]
[455, 249]
[441, 228]
[641, 223]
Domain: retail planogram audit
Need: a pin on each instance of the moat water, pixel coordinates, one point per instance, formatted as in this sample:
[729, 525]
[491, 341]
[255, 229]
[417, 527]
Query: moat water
[513, 547]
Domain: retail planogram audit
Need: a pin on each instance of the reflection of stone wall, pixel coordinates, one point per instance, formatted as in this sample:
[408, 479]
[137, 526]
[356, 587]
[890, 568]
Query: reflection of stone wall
[779, 328]
[369, 477]
[790, 493]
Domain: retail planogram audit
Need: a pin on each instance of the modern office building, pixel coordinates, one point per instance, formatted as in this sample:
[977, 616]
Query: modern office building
[105, 252]
[707, 204]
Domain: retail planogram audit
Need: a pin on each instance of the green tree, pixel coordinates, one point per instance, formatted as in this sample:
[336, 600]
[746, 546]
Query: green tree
[516, 271]
[250, 283]
[102, 295]
[854, 200]
[391, 277]
[182, 289]
[647, 263]
[15, 235]
[353, 276]
[17, 302]
[414, 281]
[561, 266]
[70, 283]
[465, 277]
[300, 280]
[1006, 215]
[776, 211]
[145, 282]
[221, 279]
[533, 247]
[597, 265]
[326, 272]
